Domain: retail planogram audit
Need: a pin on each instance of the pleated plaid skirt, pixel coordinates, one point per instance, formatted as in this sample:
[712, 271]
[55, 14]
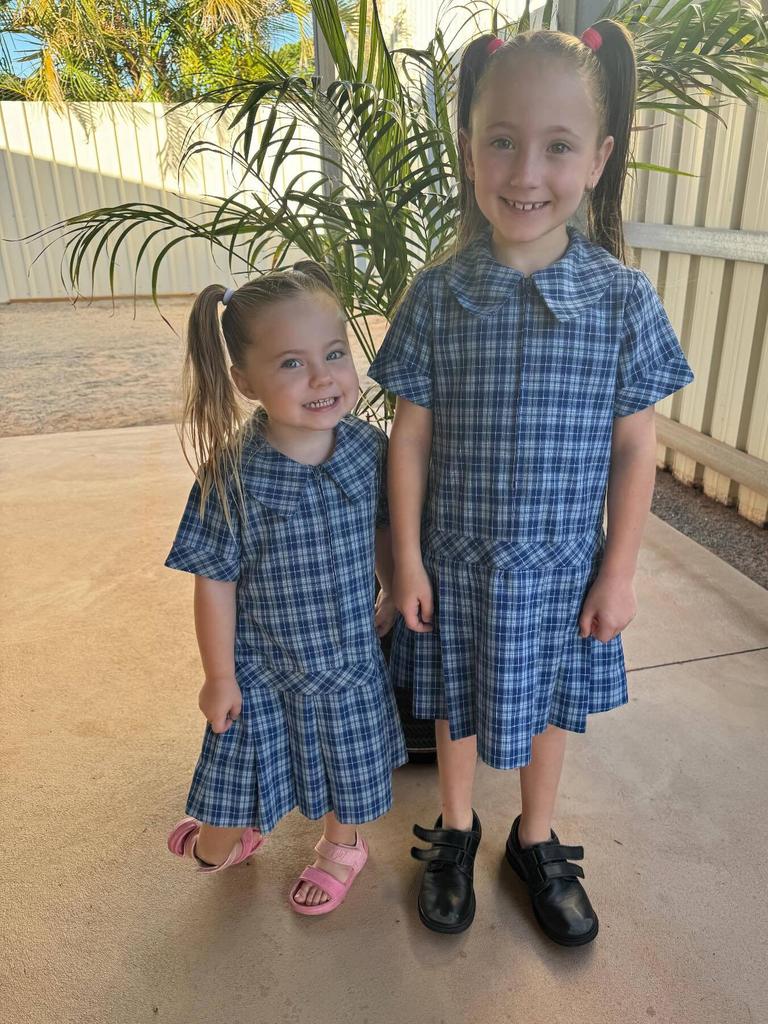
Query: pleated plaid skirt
[505, 658]
[332, 752]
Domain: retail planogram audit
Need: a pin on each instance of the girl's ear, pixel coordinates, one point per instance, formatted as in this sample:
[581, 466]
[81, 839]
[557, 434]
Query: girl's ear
[241, 383]
[465, 153]
[601, 159]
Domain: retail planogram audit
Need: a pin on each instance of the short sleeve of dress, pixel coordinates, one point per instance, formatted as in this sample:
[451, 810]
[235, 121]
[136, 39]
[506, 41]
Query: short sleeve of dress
[651, 362]
[205, 544]
[382, 508]
[403, 364]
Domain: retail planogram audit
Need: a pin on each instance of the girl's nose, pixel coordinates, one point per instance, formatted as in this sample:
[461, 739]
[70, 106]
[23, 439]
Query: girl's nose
[526, 171]
[320, 377]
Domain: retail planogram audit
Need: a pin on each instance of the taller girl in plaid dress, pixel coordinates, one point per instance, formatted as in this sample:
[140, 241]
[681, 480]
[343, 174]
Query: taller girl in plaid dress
[526, 367]
[279, 533]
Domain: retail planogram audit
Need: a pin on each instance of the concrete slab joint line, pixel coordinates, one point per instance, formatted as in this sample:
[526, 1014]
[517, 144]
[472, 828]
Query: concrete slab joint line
[688, 661]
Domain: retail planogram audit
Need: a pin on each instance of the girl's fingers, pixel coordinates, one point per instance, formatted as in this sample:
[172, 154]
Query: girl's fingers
[586, 622]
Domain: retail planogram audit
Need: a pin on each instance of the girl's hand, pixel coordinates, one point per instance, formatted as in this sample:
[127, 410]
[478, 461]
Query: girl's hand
[386, 612]
[412, 592]
[220, 701]
[609, 607]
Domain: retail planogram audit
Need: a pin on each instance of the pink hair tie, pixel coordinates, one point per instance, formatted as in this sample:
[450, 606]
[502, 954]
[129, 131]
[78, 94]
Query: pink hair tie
[493, 45]
[592, 38]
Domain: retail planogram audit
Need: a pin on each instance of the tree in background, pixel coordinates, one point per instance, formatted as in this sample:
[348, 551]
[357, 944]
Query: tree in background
[160, 50]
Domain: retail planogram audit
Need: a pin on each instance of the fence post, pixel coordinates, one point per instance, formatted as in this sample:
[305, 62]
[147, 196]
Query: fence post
[325, 71]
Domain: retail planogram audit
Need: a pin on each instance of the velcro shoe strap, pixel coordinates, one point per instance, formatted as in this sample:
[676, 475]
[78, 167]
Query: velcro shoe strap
[540, 875]
[450, 837]
[547, 852]
[462, 859]
[562, 869]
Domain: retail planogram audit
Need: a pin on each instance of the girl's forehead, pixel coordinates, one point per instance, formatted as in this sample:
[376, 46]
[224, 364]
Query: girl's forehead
[530, 91]
[312, 316]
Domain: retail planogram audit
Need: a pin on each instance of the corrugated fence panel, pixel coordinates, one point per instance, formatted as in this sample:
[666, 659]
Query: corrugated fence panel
[718, 306]
[93, 155]
[752, 430]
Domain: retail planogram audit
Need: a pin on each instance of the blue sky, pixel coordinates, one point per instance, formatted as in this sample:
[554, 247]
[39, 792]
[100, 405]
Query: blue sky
[18, 44]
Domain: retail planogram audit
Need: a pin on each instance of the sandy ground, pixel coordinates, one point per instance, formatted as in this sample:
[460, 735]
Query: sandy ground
[81, 367]
[100, 732]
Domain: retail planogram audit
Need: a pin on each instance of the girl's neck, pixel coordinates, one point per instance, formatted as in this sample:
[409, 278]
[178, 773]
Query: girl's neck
[528, 257]
[310, 447]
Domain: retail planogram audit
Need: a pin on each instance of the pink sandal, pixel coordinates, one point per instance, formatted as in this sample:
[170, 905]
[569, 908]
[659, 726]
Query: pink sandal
[183, 839]
[353, 857]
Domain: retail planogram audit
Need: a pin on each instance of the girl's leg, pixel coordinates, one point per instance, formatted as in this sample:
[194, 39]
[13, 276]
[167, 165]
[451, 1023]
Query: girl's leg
[334, 832]
[214, 845]
[539, 782]
[446, 901]
[456, 760]
[561, 906]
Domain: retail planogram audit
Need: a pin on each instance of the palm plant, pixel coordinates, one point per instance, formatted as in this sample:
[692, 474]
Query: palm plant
[382, 200]
[163, 50]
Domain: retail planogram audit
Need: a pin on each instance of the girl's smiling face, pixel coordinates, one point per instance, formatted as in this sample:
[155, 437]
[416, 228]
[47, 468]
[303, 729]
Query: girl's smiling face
[532, 151]
[299, 364]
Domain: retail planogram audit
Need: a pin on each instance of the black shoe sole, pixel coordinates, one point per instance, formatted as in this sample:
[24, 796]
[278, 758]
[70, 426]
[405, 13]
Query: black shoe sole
[582, 940]
[448, 929]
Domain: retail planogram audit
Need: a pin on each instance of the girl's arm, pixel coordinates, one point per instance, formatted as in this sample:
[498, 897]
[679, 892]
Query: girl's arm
[220, 699]
[385, 605]
[409, 449]
[610, 604]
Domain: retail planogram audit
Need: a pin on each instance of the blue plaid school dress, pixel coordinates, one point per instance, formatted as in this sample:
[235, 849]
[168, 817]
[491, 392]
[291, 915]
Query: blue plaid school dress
[319, 728]
[524, 377]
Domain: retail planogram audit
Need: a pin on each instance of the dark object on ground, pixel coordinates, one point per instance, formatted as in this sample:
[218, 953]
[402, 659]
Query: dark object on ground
[560, 904]
[419, 732]
[447, 897]
[716, 527]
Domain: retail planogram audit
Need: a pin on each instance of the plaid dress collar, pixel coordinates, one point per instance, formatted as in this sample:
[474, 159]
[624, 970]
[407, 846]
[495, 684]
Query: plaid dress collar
[280, 482]
[575, 282]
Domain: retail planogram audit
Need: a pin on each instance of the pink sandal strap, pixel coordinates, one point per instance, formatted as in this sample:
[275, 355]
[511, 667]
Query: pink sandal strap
[247, 844]
[331, 886]
[183, 839]
[351, 856]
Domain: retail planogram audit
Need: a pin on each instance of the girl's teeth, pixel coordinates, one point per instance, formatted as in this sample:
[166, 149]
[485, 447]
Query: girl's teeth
[525, 206]
[321, 404]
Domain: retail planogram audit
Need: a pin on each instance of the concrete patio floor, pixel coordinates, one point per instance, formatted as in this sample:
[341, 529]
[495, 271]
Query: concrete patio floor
[101, 730]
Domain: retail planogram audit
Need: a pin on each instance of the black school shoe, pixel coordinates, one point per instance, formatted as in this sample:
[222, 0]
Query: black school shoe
[447, 897]
[559, 902]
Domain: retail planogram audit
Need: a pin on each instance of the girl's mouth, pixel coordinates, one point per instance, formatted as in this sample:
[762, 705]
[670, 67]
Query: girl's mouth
[524, 207]
[321, 404]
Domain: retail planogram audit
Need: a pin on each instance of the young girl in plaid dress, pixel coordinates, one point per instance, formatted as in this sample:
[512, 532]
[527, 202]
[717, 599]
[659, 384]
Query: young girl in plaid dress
[279, 534]
[526, 368]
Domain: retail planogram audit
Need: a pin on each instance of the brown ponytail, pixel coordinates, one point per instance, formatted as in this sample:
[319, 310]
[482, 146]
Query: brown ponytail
[616, 59]
[214, 423]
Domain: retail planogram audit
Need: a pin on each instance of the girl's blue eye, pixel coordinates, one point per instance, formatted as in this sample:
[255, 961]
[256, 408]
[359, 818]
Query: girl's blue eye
[502, 144]
[338, 353]
[290, 364]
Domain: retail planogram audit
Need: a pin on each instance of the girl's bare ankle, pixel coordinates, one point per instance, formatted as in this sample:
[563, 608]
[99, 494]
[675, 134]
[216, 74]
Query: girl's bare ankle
[460, 820]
